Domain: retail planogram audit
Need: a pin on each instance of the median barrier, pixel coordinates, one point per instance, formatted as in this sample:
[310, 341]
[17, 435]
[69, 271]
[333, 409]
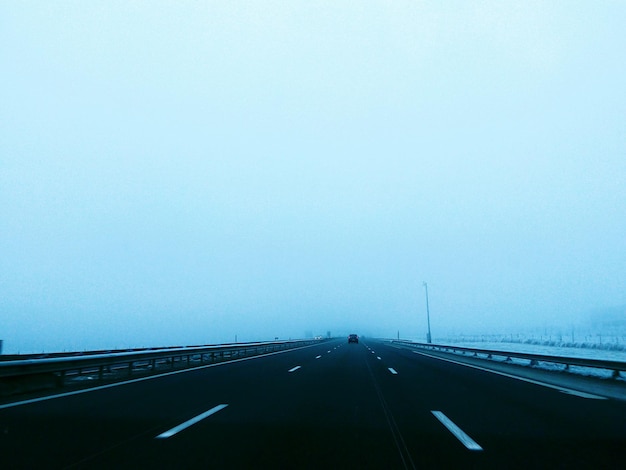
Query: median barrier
[20, 375]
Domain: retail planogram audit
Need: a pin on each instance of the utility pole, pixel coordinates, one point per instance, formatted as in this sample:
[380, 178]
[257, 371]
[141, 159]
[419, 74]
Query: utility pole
[428, 337]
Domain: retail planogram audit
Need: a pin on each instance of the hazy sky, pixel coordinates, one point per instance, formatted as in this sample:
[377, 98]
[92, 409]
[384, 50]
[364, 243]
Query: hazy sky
[183, 172]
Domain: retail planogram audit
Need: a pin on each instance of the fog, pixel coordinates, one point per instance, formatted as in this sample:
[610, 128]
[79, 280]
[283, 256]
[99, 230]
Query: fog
[187, 172]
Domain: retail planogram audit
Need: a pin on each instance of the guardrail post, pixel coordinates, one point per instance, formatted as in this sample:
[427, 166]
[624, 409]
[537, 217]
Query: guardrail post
[130, 368]
[100, 373]
[615, 374]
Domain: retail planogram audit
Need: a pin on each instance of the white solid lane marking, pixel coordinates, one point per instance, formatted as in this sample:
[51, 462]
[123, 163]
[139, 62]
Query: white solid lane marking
[576, 393]
[191, 422]
[524, 379]
[392, 370]
[378, 357]
[142, 379]
[294, 369]
[317, 357]
[457, 431]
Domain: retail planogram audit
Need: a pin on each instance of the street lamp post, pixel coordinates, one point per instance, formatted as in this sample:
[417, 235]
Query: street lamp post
[428, 337]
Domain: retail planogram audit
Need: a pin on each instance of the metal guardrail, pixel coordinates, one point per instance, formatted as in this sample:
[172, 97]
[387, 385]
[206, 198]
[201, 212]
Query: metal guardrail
[19, 357]
[615, 366]
[123, 364]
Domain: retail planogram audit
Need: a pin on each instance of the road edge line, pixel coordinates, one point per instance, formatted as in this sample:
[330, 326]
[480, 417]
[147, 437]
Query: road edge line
[560, 388]
[141, 379]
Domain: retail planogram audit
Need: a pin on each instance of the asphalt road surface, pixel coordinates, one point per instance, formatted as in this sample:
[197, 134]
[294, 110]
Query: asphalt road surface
[331, 405]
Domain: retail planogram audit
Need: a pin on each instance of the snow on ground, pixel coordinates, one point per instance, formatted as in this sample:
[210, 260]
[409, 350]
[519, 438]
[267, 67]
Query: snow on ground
[549, 348]
[586, 353]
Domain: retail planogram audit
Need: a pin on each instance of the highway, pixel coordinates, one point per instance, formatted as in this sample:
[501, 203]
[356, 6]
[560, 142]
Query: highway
[330, 405]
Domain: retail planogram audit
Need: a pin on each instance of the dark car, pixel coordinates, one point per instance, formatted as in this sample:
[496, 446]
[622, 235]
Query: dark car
[353, 338]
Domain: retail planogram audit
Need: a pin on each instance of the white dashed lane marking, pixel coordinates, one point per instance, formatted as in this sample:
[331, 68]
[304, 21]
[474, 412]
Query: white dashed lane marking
[457, 431]
[191, 422]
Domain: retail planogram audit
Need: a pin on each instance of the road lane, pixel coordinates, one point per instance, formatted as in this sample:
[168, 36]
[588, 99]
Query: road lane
[343, 408]
[328, 414]
[74, 428]
[506, 416]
